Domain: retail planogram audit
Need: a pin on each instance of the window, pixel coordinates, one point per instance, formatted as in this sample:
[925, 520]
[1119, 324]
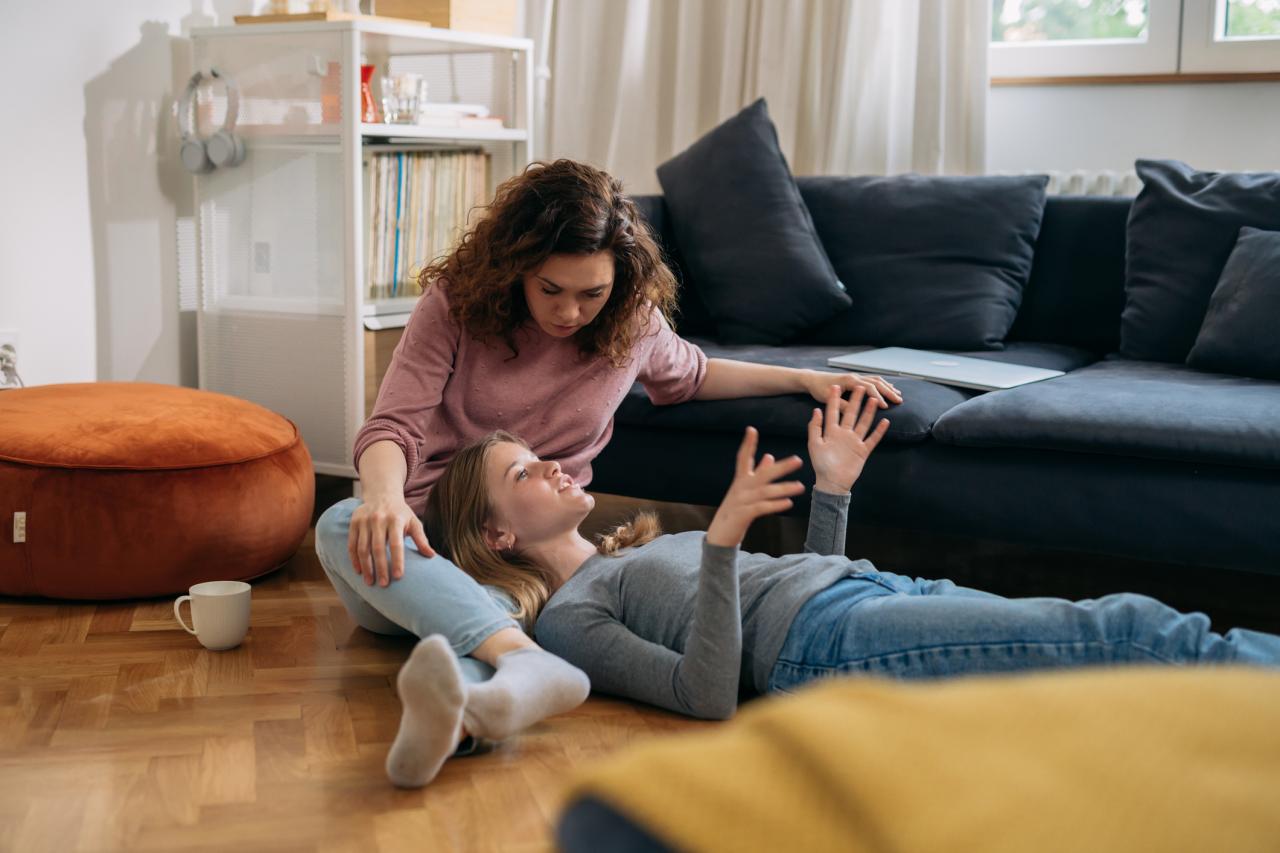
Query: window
[1230, 35]
[1068, 20]
[1089, 38]
[1251, 19]
[1059, 38]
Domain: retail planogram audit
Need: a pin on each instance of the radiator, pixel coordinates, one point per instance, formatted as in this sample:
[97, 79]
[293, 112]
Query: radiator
[1089, 182]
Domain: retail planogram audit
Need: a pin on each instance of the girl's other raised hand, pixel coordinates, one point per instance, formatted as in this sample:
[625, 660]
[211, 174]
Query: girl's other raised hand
[841, 439]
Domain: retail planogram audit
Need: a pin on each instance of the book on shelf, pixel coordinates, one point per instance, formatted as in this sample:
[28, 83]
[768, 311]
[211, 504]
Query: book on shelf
[416, 209]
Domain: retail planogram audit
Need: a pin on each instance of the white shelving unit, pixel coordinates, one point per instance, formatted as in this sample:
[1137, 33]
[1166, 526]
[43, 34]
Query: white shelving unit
[282, 310]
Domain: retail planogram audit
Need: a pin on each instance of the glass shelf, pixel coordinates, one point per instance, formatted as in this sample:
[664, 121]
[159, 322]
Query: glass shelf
[426, 132]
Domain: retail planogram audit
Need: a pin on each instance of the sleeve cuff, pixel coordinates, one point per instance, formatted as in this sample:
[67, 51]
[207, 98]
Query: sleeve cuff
[382, 430]
[836, 502]
[718, 554]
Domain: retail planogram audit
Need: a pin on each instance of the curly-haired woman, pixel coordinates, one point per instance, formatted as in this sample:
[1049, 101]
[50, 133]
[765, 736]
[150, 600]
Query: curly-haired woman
[539, 322]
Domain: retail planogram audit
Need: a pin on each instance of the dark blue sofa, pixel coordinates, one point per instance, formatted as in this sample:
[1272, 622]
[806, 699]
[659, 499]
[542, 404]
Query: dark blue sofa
[1130, 459]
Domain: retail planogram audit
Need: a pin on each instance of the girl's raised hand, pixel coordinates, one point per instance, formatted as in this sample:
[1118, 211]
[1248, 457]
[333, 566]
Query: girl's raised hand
[753, 493]
[840, 442]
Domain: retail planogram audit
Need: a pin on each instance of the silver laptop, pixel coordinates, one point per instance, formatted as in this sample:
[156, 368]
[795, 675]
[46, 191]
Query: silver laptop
[943, 368]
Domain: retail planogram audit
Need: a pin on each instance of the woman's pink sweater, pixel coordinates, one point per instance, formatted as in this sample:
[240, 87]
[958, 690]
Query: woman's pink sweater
[444, 389]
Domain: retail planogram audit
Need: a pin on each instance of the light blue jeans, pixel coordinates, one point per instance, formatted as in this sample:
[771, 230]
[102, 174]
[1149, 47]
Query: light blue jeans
[884, 624]
[433, 597]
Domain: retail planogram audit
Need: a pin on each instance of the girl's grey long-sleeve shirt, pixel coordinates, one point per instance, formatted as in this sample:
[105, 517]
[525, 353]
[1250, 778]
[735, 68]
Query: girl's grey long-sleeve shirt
[681, 623]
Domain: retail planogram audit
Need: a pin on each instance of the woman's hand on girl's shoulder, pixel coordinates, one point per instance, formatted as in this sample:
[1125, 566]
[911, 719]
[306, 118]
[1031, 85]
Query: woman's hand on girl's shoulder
[379, 525]
[754, 492]
[841, 441]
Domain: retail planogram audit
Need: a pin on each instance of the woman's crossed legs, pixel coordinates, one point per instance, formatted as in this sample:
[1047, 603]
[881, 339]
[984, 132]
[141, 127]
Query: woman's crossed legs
[499, 682]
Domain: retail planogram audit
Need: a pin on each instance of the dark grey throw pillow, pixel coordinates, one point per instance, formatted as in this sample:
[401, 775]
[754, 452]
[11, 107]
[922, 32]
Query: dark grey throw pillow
[929, 262]
[748, 244]
[1240, 334]
[1181, 229]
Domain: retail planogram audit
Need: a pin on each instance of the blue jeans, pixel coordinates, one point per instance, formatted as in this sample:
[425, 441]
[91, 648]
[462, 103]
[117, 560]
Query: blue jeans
[884, 624]
[433, 597]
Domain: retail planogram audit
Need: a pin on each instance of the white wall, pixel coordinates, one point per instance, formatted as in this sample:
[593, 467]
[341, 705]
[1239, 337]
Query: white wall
[93, 197]
[1213, 126]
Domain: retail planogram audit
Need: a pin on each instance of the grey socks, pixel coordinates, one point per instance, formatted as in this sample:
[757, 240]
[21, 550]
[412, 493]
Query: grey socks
[529, 685]
[432, 693]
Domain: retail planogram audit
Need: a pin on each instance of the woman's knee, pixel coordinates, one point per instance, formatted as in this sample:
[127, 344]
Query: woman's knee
[331, 533]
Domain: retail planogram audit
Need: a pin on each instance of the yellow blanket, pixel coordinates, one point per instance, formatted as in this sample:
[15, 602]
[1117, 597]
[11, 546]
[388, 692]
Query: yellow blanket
[1123, 759]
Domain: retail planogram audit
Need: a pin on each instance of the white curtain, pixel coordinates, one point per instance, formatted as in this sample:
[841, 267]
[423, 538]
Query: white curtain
[854, 86]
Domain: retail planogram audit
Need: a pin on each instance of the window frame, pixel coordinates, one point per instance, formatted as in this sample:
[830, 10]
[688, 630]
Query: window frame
[1204, 51]
[1157, 54]
[1181, 41]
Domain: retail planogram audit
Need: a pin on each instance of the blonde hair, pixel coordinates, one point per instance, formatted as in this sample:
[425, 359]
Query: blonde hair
[458, 508]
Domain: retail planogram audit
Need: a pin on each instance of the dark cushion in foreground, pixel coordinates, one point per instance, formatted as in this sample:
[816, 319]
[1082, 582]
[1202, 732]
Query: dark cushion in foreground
[132, 489]
[1129, 408]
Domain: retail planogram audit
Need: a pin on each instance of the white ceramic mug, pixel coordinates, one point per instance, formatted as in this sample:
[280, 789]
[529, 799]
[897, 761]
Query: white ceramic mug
[219, 611]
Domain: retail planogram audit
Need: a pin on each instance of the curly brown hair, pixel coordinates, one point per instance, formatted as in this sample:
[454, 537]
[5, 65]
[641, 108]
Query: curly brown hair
[562, 207]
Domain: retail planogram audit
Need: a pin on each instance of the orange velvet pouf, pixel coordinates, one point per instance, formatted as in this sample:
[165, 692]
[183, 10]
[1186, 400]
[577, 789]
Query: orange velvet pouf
[131, 490]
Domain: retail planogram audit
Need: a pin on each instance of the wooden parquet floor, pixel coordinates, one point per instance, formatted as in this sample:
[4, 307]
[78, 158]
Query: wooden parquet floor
[119, 731]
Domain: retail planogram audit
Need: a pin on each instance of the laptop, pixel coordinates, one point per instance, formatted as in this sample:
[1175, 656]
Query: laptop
[943, 368]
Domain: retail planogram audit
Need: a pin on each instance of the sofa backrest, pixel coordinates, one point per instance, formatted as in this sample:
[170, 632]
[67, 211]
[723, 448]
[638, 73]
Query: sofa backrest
[1074, 296]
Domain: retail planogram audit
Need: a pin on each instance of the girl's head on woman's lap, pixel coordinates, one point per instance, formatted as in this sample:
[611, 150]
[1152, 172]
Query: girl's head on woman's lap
[560, 243]
[497, 502]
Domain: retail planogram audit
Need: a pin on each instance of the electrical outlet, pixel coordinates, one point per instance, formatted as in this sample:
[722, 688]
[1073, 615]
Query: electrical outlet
[9, 352]
[261, 257]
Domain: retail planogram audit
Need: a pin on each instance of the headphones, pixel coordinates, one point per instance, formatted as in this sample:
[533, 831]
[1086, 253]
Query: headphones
[223, 149]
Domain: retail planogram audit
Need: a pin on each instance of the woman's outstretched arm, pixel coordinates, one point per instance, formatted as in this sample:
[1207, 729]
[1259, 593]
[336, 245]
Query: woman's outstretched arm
[727, 378]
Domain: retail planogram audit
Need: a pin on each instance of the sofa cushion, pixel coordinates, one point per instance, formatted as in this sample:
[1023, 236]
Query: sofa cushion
[929, 262]
[1147, 509]
[692, 317]
[1182, 228]
[745, 235]
[1076, 290]
[1239, 331]
[923, 402]
[1131, 408]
